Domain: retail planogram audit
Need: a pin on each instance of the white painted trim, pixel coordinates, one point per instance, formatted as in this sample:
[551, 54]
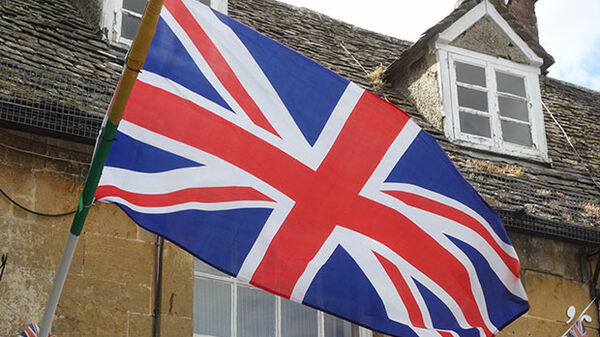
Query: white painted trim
[446, 56]
[219, 5]
[485, 57]
[485, 8]
[463, 23]
[446, 93]
[112, 18]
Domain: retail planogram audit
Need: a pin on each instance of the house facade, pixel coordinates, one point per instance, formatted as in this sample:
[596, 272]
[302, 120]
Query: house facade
[475, 81]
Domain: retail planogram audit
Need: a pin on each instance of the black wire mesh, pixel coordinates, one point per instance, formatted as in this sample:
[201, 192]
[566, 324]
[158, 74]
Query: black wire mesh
[528, 196]
[56, 103]
[525, 204]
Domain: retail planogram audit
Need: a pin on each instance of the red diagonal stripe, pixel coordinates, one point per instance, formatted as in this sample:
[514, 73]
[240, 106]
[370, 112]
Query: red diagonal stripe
[460, 217]
[202, 129]
[217, 63]
[414, 312]
[327, 198]
[330, 191]
[204, 195]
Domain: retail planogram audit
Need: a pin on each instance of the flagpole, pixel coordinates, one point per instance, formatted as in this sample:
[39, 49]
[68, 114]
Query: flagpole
[580, 316]
[133, 64]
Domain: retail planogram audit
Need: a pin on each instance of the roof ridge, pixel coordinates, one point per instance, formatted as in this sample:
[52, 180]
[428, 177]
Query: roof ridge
[573, 85]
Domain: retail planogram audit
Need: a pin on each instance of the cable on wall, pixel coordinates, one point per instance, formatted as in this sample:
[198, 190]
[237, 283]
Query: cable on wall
[572, 146]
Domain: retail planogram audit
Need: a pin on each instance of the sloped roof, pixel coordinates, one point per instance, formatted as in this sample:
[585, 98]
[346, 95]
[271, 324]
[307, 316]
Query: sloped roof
[54, 68]
[419, 47]
[52, 35]
[560, 192]
[559, 196]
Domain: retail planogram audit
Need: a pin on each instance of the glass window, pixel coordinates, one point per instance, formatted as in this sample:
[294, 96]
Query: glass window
[298, 320]
[513, 108]
[471, 98]
[131, 15]
[335, 327]
[129, 25]
[511, 84]
[137, 6]
[516, 133]
[492, 104]
[217, 296]
[475, 124]
[255, 313]
[470, 74]
[226, 307]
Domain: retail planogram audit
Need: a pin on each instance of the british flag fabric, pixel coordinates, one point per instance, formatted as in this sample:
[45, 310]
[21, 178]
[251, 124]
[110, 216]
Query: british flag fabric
[31, 331]
[277, 171]
[577, 330]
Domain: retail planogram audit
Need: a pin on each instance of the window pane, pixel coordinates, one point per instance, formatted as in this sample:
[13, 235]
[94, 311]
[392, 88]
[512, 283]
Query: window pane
[467, 73]
[513, 108]
[474, 99]
[298, 320]
[135, 5]
[202, 267]
[511, 84]
[516, 133]
[212, 308]
[129, 26]
[475, 124]
[335, 327]
[255, 313]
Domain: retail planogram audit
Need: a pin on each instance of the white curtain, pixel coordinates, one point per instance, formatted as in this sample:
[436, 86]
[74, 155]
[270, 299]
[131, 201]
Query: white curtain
[255, 313]
[212, 308]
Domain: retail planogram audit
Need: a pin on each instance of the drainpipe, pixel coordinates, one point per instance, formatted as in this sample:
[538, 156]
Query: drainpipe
[158, 282]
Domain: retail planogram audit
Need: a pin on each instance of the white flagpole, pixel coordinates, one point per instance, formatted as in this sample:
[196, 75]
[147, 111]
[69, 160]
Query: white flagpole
[578, 318]
[134, 63]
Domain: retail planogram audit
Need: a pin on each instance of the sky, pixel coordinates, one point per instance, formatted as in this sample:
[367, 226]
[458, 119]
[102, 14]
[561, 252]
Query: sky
[569, 29]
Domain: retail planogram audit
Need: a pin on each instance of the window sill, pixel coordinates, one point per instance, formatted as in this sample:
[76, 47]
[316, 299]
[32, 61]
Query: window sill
[488, 152]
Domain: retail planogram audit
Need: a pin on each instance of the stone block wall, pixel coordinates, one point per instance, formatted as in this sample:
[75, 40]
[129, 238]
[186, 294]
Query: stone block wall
[552, 276]
[110, 286]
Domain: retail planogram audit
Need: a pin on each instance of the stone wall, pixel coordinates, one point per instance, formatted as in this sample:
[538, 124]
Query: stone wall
[552, 276]
[421, 84]
[91, 11]
[110, 287]
[486, 37]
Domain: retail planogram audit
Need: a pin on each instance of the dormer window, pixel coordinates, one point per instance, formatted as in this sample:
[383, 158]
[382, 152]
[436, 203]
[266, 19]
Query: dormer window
[494, 105]
[122, 17]
[475, 76]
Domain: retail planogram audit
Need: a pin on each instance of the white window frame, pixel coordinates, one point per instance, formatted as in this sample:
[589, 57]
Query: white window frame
[362, 332]
[446, 56]
[112, 18]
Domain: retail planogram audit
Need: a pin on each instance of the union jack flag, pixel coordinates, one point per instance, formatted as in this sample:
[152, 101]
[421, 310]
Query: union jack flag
[577, 330]
[275, 170]
[31, 331]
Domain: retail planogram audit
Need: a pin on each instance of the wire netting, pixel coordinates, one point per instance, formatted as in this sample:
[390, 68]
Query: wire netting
[54, 102]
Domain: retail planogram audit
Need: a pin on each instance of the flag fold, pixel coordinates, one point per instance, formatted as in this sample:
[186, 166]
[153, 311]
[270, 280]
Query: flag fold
[283, 174]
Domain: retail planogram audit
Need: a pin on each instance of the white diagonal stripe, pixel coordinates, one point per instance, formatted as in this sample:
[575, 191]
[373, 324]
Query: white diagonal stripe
[192, 205]
[252, 78]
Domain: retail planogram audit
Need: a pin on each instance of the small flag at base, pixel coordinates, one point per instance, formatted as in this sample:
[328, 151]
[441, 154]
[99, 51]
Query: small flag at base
[578, 329]
[31, 331]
